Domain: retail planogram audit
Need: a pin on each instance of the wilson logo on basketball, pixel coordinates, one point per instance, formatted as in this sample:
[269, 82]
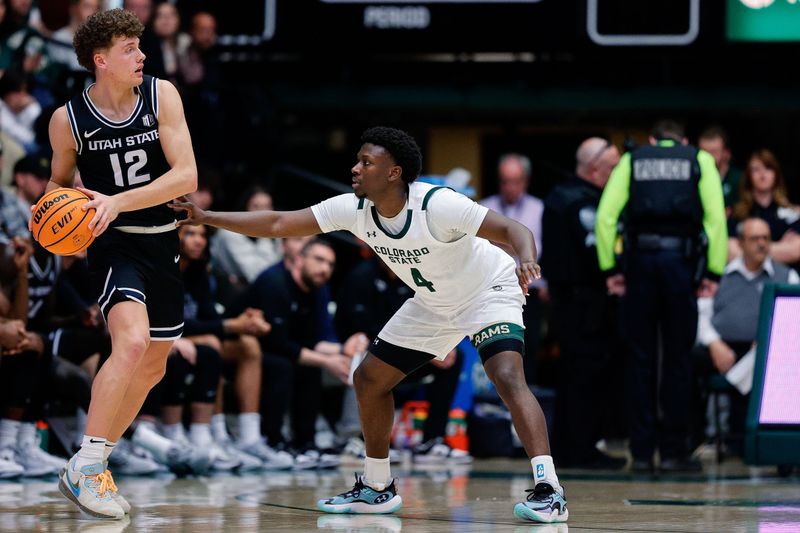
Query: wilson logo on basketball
[37, 216]
[60, 224]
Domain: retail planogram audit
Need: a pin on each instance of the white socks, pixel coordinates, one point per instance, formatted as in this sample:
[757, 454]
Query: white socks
[92, 452]
[544, 471]
[109, 448]
[377, 473]
[174, 432]
[27, 435]
[146, 437]
[249, 427]
[218, 428]
[200, 435]
[9, 430]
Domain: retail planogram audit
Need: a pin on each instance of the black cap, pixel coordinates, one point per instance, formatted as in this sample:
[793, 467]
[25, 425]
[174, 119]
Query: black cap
[37, 165]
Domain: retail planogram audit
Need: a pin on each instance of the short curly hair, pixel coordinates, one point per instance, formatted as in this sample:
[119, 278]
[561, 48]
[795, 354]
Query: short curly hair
[98, 32]
[402, 147]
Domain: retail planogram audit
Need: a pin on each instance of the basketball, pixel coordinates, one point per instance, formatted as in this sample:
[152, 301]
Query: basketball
[60, 225]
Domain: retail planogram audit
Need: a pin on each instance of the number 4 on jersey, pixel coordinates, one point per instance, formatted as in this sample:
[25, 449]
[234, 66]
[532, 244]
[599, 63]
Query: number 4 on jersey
[420, 281]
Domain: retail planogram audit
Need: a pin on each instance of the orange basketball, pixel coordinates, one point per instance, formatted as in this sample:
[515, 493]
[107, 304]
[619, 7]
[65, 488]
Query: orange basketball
[60, 225]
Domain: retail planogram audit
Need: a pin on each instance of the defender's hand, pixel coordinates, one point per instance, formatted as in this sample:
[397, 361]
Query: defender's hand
[106, 210]
[194, 215]
[527, 272]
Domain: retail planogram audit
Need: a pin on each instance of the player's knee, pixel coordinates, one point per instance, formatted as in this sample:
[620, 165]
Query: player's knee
[506, 378]
[367, 380]
[362, 380]
[131, 348]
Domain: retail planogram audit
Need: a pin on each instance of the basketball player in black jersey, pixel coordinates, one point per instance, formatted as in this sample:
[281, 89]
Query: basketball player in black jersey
[128, 137]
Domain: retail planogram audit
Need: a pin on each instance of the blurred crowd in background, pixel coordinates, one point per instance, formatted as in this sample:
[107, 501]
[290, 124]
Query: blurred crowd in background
[275, 327]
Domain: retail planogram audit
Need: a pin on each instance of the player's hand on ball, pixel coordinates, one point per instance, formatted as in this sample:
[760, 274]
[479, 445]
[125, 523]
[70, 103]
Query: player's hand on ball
[106, 210]
[527, 272]
[194, 215]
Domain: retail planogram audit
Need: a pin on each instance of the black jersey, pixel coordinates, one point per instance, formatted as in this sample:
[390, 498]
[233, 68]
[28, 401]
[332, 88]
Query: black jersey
[114, 157]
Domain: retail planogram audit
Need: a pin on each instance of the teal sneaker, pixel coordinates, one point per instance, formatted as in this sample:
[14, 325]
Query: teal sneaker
[544, 504]
[363, 499]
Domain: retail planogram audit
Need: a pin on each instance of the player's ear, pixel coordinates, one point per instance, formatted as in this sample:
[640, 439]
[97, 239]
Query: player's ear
[99, 60]
[396, 173]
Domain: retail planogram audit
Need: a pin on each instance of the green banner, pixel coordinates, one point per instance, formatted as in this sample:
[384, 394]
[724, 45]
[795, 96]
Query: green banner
[763, 20]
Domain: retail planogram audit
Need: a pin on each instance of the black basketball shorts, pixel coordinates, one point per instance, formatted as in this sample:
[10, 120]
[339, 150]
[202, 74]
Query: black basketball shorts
[140, 268]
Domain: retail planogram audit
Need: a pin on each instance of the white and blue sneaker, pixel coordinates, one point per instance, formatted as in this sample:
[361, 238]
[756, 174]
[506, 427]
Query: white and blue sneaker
[363, 499]
[91, 490]
[544, 504]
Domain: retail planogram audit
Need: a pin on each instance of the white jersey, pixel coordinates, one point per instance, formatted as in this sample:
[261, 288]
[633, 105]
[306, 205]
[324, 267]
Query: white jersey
[433, 248]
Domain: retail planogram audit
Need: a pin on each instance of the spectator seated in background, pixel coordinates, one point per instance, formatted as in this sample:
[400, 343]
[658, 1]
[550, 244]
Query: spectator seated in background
[71, 76]
[243, 258]
[714, 140]
[166, 26]
[18, 110]
[513, 201]
[763, 194]
[236, 339]
[368, 298]
[302, 343]
[728, 322]
[24, 372]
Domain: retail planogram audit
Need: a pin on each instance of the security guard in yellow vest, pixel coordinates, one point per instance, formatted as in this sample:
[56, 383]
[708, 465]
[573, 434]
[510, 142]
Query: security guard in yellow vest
[675, 248]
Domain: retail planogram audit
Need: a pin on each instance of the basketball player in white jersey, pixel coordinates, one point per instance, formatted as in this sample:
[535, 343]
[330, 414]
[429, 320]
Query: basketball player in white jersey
[128, 137]
[437, 242]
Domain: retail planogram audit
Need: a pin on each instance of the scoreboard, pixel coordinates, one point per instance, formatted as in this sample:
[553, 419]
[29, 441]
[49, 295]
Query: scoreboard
[455, 26]
[439, 26]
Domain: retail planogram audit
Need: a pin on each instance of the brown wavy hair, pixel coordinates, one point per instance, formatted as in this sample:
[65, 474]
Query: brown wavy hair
[98, 32]
[744, 206]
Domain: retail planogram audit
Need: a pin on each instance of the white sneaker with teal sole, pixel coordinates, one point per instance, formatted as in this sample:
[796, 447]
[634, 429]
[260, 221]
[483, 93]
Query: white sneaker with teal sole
[544, 504]
[90, 490]
[363, 499]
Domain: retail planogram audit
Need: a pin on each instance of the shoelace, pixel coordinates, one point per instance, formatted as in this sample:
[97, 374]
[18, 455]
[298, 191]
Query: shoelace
[111, 485]
[102, 483]
[539, 492]
[356, 490]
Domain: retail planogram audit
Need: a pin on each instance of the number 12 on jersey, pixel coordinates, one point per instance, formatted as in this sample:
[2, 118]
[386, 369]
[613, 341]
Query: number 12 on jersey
[136, 159]
[419, 281]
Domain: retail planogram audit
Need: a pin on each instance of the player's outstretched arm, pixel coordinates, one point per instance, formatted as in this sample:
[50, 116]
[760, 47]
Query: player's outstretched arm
[497, 228]
[253, 223]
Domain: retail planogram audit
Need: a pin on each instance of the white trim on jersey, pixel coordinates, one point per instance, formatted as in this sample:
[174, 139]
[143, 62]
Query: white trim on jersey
[73, 127]
[154, 96]
[105, 286]
[108, 122]
[108, 299]
[123, 289]
[173, 328]
[129, 297]
[165, 339]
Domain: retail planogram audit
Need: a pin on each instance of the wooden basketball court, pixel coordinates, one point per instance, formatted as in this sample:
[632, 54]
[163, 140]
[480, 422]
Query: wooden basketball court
[730, 498]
